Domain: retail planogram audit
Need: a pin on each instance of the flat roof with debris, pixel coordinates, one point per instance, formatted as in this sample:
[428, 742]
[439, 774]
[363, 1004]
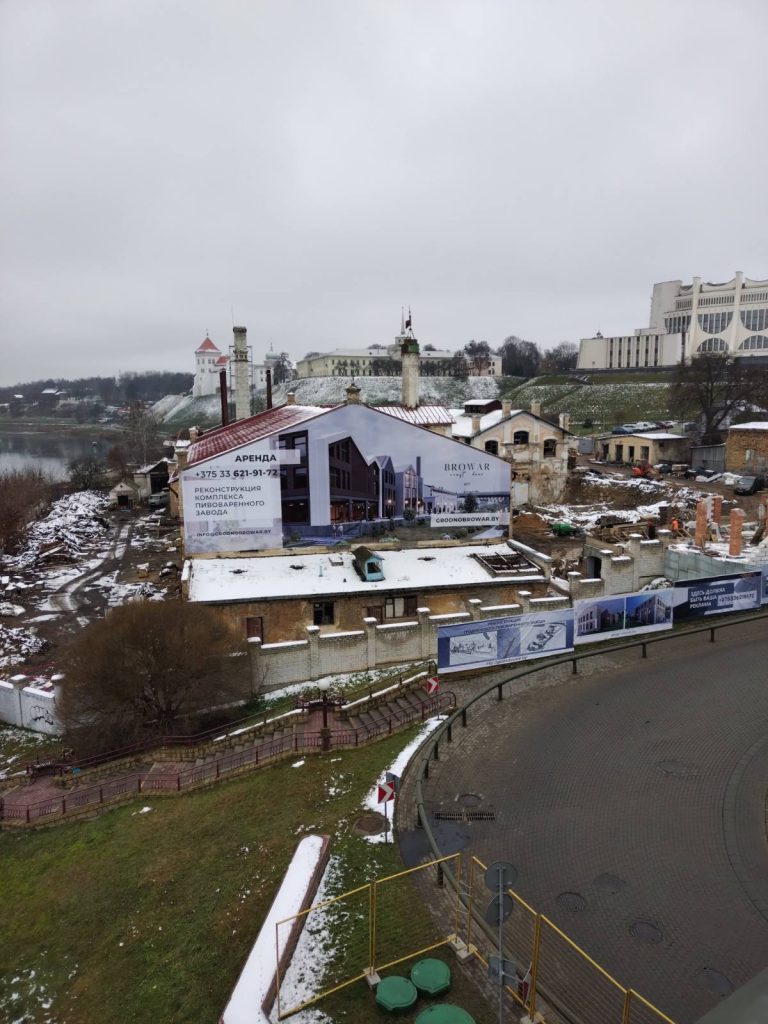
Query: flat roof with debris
[228, 580]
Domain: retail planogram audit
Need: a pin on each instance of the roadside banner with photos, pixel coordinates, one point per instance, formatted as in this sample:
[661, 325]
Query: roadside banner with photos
[741, 592]
[480, 644]
[765, 584]
[623, 615]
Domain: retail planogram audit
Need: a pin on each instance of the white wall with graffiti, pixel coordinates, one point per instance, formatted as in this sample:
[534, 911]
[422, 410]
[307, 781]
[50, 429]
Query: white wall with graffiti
[28, 707]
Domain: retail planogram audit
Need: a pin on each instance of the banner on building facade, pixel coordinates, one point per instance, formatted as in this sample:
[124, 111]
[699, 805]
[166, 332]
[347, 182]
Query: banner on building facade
[716, 595]
[330, 471]
[481, 644]
[765, 584]
[233, 502]
[623, 615]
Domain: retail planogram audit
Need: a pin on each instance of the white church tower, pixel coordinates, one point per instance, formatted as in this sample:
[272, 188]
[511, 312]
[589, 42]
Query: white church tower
[209, 361]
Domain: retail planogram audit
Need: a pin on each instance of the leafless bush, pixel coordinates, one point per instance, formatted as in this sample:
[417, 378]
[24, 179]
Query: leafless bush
[23, 492]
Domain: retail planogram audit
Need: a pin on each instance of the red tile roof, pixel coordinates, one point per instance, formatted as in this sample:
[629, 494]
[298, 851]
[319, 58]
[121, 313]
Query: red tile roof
[207, 346]
[222, 361]
[254, 428]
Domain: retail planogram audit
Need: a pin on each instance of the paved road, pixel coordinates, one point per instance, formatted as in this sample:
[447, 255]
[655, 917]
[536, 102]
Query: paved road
[632, 801]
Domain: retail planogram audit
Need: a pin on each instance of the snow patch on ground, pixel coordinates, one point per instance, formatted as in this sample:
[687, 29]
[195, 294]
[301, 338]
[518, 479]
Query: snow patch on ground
[16, 645]
[73, 522]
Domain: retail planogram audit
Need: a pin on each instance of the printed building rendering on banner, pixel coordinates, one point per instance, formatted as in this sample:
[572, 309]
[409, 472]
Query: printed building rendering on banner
[335, 466]
[738, 593]
[498, 641]
[606, 618]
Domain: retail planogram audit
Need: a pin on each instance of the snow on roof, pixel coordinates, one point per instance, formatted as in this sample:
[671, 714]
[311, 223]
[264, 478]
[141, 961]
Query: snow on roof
[207, 346]
[462, 426]
[754, 425]
[225, 580]
[424, 415]
[253, 428]
[654, 435]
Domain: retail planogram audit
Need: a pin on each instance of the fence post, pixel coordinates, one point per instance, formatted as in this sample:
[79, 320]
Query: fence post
[712, 634]
[464, 717]
[437, 751]
[440, 876]
[500, 691]
[645, 651]
[372, 924]
[534, 966]
[625, 1017]
[449, 733]
[574, 667]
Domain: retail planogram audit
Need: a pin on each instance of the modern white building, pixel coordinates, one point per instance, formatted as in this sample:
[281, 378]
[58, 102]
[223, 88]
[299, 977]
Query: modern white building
[687, 320]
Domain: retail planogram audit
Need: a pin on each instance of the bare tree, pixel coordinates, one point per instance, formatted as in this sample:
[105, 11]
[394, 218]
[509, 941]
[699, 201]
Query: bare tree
[714, 386]
[23, 492]
[519, 358]
[147, 670]
[478, 357]
[562, 358]
[141, 436]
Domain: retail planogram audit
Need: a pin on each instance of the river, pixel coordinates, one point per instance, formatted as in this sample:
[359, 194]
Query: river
[48, 450]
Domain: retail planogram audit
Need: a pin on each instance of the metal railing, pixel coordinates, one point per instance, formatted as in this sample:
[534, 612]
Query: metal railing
[553, 988]
[73, 800]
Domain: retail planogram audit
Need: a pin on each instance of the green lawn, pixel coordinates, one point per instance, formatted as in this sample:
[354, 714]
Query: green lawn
[138, 917]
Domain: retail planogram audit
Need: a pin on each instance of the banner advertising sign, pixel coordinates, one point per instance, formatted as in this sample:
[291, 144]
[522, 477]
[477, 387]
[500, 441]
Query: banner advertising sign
[765, 584]
[610, 618]
[740, 592]
[498, 641]
[350, 464]
[468, 519]
[232, 503]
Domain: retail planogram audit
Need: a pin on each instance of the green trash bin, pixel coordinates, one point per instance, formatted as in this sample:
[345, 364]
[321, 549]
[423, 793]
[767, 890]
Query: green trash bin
[431, 977]
[396, 994]
[444, 1013]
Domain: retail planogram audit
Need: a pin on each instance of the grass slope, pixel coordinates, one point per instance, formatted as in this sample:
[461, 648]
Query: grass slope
[134, 917]
[604, 403]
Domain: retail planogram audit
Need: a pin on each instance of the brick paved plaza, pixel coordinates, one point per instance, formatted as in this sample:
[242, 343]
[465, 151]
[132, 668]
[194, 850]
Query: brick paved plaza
[632, 800]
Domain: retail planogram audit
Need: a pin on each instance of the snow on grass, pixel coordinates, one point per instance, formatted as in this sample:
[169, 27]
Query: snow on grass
[447, 391]
[16, 645]
[397, 767]
[245, 1004]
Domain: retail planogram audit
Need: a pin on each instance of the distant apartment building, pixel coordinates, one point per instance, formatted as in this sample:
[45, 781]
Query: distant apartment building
[687, 320]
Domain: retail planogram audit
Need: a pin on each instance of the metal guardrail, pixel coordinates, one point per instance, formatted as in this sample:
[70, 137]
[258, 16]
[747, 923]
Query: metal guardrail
[430, 750]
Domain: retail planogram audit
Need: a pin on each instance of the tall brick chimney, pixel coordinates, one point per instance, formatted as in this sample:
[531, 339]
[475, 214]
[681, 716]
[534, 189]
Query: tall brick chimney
[242, 382]
[737, 530]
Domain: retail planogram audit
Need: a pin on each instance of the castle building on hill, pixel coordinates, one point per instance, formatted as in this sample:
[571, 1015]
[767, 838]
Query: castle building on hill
[210, 361]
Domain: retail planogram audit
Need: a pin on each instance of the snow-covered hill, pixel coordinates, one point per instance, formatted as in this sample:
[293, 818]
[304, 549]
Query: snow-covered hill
[448, 391]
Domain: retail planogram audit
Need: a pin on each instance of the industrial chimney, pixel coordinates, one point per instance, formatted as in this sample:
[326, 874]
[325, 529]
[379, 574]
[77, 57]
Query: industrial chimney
[241, 374]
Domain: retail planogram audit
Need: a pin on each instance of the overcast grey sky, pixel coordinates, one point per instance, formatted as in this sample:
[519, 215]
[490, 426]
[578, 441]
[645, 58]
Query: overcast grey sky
[501, 166]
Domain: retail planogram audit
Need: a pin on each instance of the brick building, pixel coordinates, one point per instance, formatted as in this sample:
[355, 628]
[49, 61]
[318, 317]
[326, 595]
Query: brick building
[746, 447]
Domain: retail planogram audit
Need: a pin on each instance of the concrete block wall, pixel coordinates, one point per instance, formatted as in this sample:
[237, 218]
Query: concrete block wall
[28, 707]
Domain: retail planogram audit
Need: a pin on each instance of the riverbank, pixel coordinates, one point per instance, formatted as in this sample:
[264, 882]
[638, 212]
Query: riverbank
[47, 424]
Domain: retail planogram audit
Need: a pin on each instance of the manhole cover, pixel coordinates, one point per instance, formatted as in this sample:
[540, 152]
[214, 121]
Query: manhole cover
[715, 981]
[609, 883]
[676, 768]
[470, 799]
[571, 901]
[370, 824]
[646, 932]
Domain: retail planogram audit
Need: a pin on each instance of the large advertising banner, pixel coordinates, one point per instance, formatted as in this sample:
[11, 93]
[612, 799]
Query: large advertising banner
[346, 465]
[741, 592]
[765, 584]
[232, 503]
[611, 618]
[481, 644]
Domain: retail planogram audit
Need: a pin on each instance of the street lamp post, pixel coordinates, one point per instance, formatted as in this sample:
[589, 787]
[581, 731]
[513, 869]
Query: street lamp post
[325, 732]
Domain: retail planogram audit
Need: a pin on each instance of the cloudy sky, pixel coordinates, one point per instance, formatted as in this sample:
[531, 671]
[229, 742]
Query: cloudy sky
[501, 166]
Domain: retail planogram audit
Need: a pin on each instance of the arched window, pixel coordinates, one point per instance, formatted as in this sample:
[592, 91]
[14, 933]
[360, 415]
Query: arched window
[550, 448]
[713, 345]
[756, 341]
[492, 447]
[755, 319]
[520, 437]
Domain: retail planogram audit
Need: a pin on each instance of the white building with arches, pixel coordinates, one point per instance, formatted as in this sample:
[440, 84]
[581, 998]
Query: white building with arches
[688, 320]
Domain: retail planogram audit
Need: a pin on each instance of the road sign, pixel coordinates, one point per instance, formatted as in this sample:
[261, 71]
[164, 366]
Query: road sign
[500, 875]
[501, 968]
[394, 779]
[386, 792]
[499, 909]
[433, 685]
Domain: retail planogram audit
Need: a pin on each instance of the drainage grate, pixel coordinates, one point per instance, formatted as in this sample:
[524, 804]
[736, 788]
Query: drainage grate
[465, 815]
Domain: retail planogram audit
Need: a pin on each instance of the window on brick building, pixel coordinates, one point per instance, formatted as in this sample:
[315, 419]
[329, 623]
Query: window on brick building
[322, 613]
[254, 626]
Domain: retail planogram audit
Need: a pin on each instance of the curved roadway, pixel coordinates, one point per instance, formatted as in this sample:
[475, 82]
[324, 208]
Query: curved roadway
[632, 802]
